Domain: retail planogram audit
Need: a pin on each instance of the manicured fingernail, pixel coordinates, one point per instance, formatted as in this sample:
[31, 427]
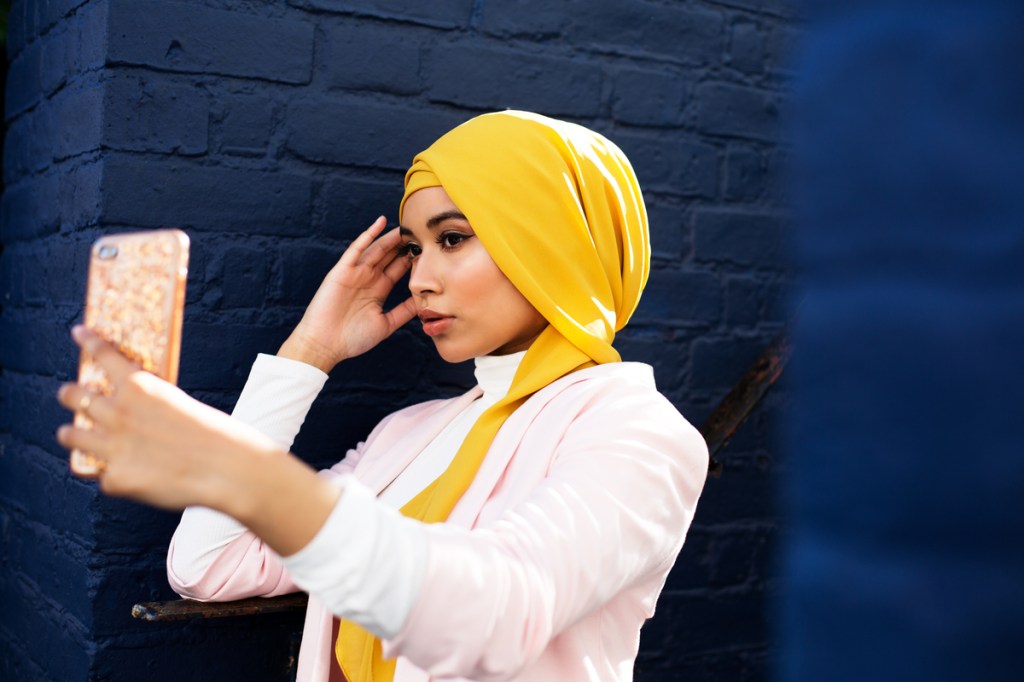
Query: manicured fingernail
[78, 332]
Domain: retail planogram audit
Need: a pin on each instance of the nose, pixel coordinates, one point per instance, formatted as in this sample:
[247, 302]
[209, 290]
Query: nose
[425, 276]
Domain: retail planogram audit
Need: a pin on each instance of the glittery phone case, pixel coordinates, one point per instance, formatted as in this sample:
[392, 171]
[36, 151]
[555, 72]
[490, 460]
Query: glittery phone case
[135, 299]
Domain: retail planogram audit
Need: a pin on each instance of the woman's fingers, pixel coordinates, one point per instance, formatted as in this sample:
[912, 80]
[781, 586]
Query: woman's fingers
[394, 270]
[86, 440]
[400, 314]
[79, 399]
[354, 252]
[117, 366]
[385, 248]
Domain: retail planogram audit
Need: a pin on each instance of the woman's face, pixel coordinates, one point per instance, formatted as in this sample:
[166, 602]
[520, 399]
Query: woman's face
[466, 304]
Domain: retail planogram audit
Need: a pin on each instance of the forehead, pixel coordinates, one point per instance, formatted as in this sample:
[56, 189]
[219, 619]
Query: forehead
[427, 209]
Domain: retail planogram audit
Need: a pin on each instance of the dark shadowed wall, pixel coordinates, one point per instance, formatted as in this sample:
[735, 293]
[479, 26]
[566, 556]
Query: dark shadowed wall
[272, 132]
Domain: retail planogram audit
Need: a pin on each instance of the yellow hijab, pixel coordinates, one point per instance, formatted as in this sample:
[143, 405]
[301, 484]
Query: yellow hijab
[558, 208]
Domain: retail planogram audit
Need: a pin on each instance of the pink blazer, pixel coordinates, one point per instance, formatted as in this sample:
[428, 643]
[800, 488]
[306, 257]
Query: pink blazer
[554, 557]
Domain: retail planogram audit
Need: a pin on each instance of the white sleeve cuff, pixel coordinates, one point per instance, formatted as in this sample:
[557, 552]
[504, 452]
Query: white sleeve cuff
[366, 564]
[277, 396]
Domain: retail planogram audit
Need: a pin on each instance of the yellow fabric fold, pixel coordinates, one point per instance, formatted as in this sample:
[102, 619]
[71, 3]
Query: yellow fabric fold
[558, 208]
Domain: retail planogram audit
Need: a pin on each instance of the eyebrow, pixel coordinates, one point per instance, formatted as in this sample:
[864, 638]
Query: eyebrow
[436, 220]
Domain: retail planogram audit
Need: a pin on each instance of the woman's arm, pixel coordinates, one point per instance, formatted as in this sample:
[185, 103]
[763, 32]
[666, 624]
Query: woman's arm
[161, 447]
[211, 555]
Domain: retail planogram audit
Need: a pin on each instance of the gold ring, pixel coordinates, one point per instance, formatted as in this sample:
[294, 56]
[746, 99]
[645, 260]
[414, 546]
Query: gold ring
[101, 466]
[84, 403]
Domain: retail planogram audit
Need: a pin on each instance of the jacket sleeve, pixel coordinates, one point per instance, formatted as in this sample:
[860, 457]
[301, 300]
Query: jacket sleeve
[211, 556]
[613, 512]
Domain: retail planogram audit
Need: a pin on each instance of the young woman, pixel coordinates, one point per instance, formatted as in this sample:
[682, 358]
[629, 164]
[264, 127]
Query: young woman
[540, 513]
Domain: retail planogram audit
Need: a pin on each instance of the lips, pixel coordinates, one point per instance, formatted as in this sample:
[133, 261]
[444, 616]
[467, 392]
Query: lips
[434, 323]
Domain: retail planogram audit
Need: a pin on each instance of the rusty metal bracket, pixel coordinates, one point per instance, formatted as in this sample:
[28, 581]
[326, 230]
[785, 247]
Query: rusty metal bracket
[186, 609]
[732, 412]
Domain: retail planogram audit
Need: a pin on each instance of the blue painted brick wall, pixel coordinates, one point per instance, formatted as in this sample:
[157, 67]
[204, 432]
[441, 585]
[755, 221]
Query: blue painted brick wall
[272, 132]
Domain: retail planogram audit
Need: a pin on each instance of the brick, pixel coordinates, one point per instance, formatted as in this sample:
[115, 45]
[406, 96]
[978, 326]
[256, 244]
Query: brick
[28, 147]
[777, 302]
[17, 34]
[257, 649]
[351, 204]
[739, 237]
[30, 209]
[440, 14]
[747, 48]
[781, 42]
[24, 80]
[666, 354]
[718, 557]
[36, 485]
[742, 305]
[37, 275]
[244, 272]
[475, 76]
[669, 227]
[737, 111]
[706, 622]
[358, 57]
[655, 98]
[224, 199]
[536, 19]
[175, 36]
[245, 124]
[719, 362]
[32, 342]
[80, 194]
[783, 8]
[778, 181]
[121, 525]
[351, 132]
[680, 298]
[377, 370]
[38, 413]
[218, 355]
[51, 12]
[54, 641]
[744, 174]
[88, 42]
[685, 33]
[53, 61]
[303, 268]
[672, 164]
[152, 113]
[56, 567]
[77, 118]
[63, 265]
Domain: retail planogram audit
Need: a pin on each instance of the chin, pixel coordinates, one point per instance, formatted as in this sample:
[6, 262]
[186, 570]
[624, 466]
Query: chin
[452, 355]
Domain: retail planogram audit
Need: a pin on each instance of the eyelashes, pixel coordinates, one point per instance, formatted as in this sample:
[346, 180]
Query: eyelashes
[448, 240]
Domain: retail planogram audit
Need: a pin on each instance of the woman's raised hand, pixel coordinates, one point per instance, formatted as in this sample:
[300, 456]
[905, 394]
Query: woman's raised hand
[346, 316]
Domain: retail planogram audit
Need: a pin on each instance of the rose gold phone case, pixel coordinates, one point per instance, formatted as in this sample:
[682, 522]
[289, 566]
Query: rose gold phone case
[135, 299]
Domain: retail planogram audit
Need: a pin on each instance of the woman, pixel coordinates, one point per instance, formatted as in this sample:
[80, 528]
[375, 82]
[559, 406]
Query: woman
[565, 481]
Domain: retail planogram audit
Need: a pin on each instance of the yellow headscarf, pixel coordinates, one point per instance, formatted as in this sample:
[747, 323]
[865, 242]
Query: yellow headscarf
[558, 208]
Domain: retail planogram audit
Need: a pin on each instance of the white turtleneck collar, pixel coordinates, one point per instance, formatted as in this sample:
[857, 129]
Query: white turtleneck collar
[494, 374]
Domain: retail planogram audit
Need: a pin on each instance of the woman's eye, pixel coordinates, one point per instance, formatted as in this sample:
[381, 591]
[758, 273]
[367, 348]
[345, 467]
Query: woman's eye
[449, 240]
[409, 250]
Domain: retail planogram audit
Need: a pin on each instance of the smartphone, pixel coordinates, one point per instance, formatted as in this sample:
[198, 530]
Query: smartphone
[135, 299]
